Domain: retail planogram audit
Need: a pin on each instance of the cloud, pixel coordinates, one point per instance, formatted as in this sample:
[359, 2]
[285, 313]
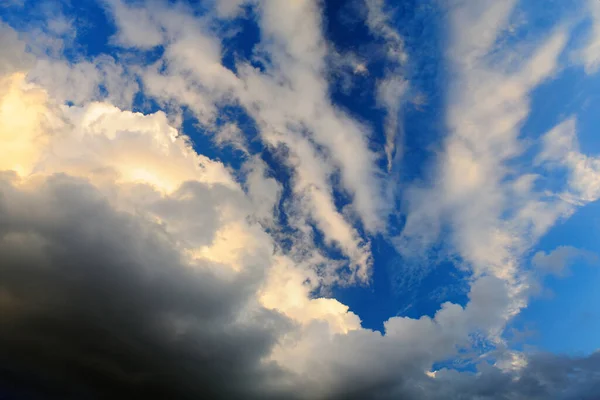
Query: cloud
[137, 26]
[391, 94]
[138, 262]
[229, 8]
[590, 55]
[101, 79]
[545, 376]
[115, 280]
[116, 312]
[264, 191]
[492, 211]
[92, 292]
[290, 103]
[105, 275]
[559, 259]
[141, 265]
[379, 22]
[134, 266]
[561, 149]
[392, 89]
[11, 44]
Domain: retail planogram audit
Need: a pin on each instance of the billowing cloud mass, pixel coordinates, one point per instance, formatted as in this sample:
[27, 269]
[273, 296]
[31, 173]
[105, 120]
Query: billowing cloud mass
[136, 264]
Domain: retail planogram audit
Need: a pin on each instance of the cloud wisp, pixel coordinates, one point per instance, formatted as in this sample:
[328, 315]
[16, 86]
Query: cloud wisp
[494, 211]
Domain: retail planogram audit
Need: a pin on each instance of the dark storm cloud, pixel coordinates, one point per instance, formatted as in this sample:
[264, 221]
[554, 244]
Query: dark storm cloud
[97, 304]
[547, 376]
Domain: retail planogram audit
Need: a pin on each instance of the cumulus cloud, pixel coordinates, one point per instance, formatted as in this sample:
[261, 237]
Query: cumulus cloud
[134, 266]
[92, 292]
[127, 255]
[104, 275]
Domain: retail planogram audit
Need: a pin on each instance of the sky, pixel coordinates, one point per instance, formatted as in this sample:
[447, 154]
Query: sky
[303, 199]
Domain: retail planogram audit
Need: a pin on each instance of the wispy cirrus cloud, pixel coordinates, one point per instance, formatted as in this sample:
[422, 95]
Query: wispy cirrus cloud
[289, 102]
[590, 53]
[392, 89]
[474, 189]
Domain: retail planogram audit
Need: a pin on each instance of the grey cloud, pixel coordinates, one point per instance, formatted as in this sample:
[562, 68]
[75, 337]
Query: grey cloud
[546, 376]
[191, 210]
[98, 304]
[101, 78]
[558, 260]
[14, 59]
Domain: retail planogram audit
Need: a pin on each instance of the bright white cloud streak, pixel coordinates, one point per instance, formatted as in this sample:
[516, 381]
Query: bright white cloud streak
[392, 89]
[590, 55]
[289, 102]
[491, 210]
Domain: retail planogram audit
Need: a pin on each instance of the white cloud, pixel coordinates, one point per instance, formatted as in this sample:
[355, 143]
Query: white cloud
[590, 55]
[229, 8]
[391, 93]
[298, 54]
[10, 44]
[491, 210]
[290, 104]
[265, 192]
[379, 16]
[561, 148]
[392, 89]
[137, 26]
[80, 82]
[231, 135]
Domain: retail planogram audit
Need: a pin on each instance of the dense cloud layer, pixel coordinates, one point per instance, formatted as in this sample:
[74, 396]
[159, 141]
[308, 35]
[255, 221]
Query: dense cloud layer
[133, 266]
[99, 303]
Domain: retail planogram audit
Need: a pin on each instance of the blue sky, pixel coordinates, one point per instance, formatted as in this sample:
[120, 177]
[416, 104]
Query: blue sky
[414, 183]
